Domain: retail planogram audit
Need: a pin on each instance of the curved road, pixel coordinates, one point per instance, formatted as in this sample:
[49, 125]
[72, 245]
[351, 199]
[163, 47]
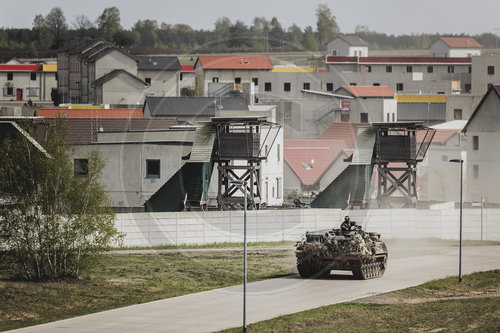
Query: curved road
[222, 308]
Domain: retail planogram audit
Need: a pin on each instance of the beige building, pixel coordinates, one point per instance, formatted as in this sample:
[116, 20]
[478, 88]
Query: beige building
[161, 73]
[31, 81]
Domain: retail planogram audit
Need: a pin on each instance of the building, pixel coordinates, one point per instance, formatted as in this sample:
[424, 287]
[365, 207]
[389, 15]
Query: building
[482, 158]
[456, 47]
[485, 72]
[89, 113]
[431, 109]
[220, 75]
[350, 46]
[187, 80]
[161, 73]
[97, 72]
[23, 82]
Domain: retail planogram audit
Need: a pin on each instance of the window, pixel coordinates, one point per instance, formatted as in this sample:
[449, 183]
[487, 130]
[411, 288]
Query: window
[286, 86]
[10, 76]
[344, 118]
[307, 86]
[152, 168]
[364, 117]
[148, 80]
[467, 87]
[475, 171]
[329, 86]
[376, 84]
[409, 69]
[491, 70]
[430, 69]
[353, 84]
[255, 81]
[8, 91]
[457, 114]
[399, 86]
[470, 69]
[33, 92]
[388, 69]
[451, 69]
[267, 86]
[334, 52]
[368, 69]
[180, 77]
[215, 80]
[278, 152]
[475, 142]
[388, 117]
[278, 187]
[237, 80]
[81, 167]
[33, 76]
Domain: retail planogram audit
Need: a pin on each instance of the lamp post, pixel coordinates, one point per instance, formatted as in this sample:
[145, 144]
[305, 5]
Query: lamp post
[460, 251]
[244, 184]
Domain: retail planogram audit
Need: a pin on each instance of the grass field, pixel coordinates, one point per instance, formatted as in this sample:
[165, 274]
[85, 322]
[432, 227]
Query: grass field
[437, 306]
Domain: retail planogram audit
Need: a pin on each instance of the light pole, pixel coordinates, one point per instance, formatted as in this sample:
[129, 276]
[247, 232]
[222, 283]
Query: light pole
[460, 251]
[244, 184]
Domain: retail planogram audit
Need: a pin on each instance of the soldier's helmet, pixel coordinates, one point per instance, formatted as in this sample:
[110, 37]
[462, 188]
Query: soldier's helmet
[347, 218]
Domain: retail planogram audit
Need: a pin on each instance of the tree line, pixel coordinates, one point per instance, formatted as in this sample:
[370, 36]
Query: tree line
[51, 32]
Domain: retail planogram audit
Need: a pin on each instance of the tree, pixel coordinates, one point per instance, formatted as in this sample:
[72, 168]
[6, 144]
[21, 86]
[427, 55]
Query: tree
[82, 22]
[326, 25]
[53, 224]
[147, 30]
[108, 22]
[56, 22]
[310, 42]
[44, 37]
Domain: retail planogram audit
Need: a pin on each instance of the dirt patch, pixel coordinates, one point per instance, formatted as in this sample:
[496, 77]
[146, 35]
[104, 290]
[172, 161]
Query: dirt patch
[399, 298]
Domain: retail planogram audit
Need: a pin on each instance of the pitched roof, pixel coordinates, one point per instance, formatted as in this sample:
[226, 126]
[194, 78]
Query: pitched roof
[397, 60]
[235, 62]
[310, 159]
[114, 73]
[84, 130]
[491, 89]
[89, 113]
[187, 68]
[461, 42]
[353, 40]
[441, 136]
[192, 106]
[164, 63]
[368, 91]
[92, 49]
[342, 131]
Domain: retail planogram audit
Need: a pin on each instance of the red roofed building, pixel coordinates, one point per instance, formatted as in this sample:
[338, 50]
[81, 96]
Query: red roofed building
[220, 75]
[187, 80]
[311, 165]
[89, 113]
[23, 82]
[456, 47]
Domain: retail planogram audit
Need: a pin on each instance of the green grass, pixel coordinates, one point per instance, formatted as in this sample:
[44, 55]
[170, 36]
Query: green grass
[122, 280]
[437, 306]
[225, 245]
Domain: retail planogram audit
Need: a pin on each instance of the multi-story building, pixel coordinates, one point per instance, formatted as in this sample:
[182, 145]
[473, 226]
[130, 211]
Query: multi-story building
[161, 73]
[24, 82]
[456, 47]
[485, 72]
[351, 46]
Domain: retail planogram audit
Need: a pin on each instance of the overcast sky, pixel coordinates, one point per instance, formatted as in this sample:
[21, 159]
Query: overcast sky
[389, 16]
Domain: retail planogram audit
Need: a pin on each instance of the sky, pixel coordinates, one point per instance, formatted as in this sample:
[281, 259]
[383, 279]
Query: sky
[388, 16]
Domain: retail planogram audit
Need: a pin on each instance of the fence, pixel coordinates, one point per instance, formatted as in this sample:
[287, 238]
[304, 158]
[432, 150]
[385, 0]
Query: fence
[151, 229]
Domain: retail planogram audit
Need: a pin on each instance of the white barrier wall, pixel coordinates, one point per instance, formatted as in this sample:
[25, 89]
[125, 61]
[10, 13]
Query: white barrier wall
[151, 229]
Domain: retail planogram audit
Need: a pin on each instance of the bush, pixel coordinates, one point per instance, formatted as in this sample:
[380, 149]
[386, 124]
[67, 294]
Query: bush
[53, 224]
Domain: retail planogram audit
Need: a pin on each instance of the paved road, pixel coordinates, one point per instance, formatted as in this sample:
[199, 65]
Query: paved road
[222, 308]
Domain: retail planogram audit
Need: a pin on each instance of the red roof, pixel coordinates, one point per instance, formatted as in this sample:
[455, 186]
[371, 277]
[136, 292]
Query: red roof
[398, 60]
[462, 43]
[342, 131]
[235, 62]
[187, 68]
[21, 68]
[369, 91]
[310, 159]
[90, 113]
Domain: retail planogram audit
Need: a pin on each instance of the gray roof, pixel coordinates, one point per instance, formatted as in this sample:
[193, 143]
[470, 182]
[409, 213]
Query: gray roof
[114, 73]
[192, 106]
[354, 40]
[168, 63]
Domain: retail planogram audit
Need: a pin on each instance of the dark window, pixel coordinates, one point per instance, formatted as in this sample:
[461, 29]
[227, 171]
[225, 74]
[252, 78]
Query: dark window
[81, 167]
[148, 80]
[368, 69]
[457, 114]
[409, 69]
[353, 84]
[430, 69]
[344, 118]
[475, 142]
[491, 70]
[215, 80]
[307, 86]
[267, 86]
[286, 86]
[451, 69]
[329, 87]
[33, 76]
[376, 84]
[399, 86]
[470, 69]
[467, 87]
[237, 80]
[180, 77]
[388, 69]
[475, 171]
[57, 77]
[10, 76]
[364, 117]
[255, 81]
[152, 168]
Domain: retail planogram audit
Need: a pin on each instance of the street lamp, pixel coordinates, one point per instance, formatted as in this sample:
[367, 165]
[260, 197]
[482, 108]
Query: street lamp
[244, 184]
[460, 251]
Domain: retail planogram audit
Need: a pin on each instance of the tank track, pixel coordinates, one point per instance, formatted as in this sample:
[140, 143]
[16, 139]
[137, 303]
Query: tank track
[368, 270]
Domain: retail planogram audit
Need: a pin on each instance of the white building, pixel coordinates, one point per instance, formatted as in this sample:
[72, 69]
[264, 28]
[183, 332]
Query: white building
[351, 46]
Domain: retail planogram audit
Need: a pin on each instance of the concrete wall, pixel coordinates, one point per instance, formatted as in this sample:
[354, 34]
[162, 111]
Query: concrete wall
[480, 77]
[43, 85]
[150, 229]
[466, 103]
[114, 60]
[123, 89]
[163, 82]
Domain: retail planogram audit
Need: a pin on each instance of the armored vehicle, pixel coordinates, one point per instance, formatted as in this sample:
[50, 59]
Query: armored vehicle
[348, 248]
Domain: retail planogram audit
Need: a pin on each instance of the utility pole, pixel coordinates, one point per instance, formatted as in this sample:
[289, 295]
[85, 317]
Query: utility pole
[498, 35]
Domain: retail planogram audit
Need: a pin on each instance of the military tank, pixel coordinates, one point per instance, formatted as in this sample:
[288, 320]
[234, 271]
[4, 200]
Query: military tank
[348, 248]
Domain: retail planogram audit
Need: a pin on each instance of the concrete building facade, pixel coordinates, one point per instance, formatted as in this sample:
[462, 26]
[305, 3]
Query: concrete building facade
[351, 46]
[23, 82]
[456, 47]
